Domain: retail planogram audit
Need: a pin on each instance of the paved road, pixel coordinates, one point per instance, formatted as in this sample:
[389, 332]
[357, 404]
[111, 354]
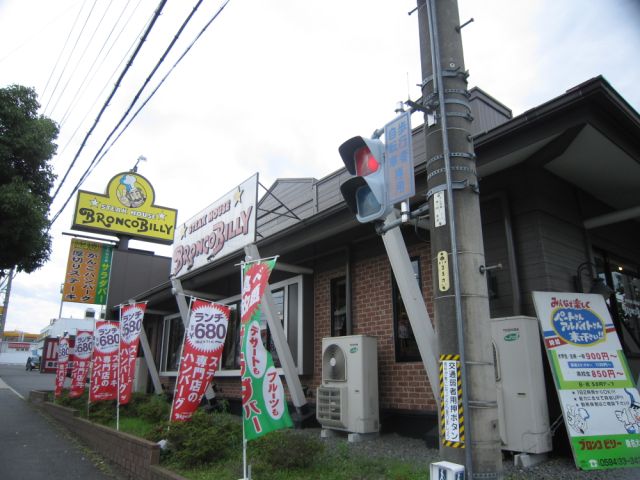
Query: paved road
[32, 445]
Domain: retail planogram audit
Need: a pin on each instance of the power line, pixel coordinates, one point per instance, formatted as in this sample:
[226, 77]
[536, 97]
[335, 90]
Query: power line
[113, 92]
[70, 55]
[82, 88]
[79, 61]
[97, 158]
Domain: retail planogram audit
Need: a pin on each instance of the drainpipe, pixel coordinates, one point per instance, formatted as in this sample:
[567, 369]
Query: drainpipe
[347, 281]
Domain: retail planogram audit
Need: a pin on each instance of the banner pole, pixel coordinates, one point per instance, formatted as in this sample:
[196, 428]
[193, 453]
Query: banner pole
[184, 336]
[119, 362]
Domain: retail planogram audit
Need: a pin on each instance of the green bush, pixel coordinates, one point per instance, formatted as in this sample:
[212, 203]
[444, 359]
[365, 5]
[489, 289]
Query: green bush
[206, 438]
[284, 450]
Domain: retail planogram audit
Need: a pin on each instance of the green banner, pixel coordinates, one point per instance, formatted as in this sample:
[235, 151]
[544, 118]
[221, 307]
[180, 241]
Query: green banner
[264, 403]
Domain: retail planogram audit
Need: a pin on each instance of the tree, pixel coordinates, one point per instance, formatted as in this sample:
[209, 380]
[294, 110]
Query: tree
[26, 178]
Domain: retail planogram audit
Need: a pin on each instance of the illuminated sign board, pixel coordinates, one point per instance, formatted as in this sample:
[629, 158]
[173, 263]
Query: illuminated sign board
[127, 208]
[222, 228]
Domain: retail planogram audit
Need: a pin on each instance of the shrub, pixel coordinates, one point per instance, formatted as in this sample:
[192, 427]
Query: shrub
[284, 450]
[206, 438]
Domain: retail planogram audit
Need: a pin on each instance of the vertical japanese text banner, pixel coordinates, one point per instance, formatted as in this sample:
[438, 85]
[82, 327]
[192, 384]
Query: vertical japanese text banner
[598, 396]
[201, 354]
[88, 270]
[81, 362]
[61, 370]
[131, 317]
[263, 400]
[104, 375]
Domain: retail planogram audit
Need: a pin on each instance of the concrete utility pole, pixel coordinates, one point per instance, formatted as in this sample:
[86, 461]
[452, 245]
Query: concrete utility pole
[5, 304]
[461, 301]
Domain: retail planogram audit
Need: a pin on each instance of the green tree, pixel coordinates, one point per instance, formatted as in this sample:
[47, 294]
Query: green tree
[26, 177]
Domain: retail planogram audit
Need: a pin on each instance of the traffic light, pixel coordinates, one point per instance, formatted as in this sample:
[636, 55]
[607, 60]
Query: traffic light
[366, 192]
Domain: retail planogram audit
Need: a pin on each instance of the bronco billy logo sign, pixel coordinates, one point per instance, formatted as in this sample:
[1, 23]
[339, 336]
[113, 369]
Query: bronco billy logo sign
[126, 208]
[224, 227]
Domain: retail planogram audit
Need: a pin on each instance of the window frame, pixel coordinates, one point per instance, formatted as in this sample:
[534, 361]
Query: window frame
[284, 285]
[395, 292]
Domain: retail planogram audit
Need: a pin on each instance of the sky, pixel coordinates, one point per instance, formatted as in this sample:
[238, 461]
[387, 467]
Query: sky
[272, 86]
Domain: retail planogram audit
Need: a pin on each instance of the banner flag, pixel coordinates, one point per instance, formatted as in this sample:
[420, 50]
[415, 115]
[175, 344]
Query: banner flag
[104, 376]
[131, 317]
[263, 400]
[61, 370]
[201, 354]
[81, 362]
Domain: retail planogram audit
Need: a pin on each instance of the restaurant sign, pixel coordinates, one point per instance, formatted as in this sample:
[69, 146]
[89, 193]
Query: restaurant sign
[88, 271]
[126, 208]
[222, 228]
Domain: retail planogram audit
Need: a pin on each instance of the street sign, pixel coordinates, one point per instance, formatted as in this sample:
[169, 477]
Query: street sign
[399, 159]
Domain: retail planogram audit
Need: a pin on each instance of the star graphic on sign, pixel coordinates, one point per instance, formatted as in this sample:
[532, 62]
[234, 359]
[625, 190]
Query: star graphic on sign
[161, 216]
[94, 203]
[237, 196]
[183, 231]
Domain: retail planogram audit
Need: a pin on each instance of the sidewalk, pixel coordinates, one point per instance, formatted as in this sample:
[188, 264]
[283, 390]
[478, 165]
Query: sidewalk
[32, 446]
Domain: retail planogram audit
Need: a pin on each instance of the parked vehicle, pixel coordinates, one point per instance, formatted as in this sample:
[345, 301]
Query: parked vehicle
[33, 363]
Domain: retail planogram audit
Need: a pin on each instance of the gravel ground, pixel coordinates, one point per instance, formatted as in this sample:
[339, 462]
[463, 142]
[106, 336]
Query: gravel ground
[414, 450]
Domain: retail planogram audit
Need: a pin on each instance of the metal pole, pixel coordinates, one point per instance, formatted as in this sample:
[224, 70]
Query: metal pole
[461, 306]
[7, 292]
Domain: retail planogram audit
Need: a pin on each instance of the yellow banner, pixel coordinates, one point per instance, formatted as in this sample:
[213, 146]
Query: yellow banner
[88, 270]
[127, 208]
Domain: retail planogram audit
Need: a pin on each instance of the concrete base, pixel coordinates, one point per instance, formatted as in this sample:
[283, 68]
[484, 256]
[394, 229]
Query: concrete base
[527, 460]
[351, 437]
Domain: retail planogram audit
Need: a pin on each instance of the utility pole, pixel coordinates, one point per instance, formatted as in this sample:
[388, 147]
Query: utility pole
[461, 300]
[5, 304]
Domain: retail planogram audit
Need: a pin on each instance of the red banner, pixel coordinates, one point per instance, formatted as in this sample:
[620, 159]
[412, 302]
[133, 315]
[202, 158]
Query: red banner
[81, 362]
[200, 359]
[61, 370]
[104, 376]
[131, 317]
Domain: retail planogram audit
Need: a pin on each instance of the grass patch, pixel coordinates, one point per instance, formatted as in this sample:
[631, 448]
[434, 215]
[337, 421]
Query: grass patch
[210, 446]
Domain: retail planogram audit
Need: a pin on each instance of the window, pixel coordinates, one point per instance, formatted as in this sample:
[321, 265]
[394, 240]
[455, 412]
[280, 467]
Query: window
[406, 345]
[338, 307]
[289, 309]
[172, 344]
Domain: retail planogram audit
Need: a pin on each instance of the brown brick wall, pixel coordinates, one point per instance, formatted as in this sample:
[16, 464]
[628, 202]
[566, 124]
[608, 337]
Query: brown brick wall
[402, 385]
[135, 457]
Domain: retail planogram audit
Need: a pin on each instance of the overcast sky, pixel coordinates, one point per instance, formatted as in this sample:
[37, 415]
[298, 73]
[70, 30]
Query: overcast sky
[273, 86]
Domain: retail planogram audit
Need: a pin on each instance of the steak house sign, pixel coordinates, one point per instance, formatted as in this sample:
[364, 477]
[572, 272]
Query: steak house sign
[224, 227]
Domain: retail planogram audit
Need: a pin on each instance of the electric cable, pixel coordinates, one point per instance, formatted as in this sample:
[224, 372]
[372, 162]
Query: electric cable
[73, 49]
[95, 162]
[55, 65]
[97, 158]
[79, 61]
[85, 81]
[156, 15]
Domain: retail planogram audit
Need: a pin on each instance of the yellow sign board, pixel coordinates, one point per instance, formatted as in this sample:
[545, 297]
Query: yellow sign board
[88, 271]
[126, 208]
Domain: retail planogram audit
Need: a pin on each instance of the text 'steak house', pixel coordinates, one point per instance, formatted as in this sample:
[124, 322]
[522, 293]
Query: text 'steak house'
[560, 202]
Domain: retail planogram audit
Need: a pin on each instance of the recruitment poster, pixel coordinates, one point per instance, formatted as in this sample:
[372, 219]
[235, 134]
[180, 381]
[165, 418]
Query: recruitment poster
[600, 402]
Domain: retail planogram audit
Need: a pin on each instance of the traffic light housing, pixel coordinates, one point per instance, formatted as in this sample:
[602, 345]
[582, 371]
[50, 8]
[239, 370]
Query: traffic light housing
[366, 192]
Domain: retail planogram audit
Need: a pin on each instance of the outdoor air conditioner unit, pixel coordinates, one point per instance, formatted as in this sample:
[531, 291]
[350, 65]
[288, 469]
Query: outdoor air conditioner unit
[522, 397]
[347, 399]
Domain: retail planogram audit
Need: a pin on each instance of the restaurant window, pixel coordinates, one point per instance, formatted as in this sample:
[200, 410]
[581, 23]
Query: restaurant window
[289, 309]
[339, 307]
[172, 344]
[405, 341]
